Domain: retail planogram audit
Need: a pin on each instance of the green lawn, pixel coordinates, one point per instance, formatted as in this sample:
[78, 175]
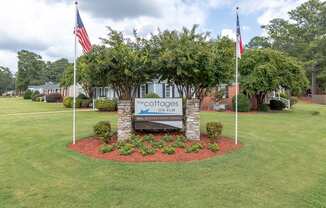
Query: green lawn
[282, 164]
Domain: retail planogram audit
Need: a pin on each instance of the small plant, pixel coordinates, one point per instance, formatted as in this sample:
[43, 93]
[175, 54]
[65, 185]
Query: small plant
[315, 113]
[136, 140]
[169, 150]
[157, 144]
[214, 147]
[194, 148]
[106, 148]
[103, 130]
[180, 138]
[149, 138]
[214, 130]
[179, 144]
[147, 151]
[167, 138]
[126, 150]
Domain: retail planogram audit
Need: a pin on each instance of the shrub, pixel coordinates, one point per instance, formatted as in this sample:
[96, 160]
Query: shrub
[194, 148]
[147, 151]
[68, 101]
[169, 150]
[28, 95]
[276, 105]
[157, 144]
[243, 103]
[179, 144]
[106, 105]
[213, 147]
[126, 150]
[85, 103]
[82, 96]
[180, 138]
[149, 138]
[167, 138]
[103, 130]
[106, 148]
[293, 101]
[53, 98]
[263, 108]
[214, 130]
[136, 141]
[315, 113]
[152, 95]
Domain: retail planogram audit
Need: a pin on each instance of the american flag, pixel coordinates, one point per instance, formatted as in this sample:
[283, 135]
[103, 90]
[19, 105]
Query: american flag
[239, 44]
[81, 33]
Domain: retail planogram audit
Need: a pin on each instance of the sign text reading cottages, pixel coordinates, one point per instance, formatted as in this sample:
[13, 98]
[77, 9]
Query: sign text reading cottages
[158, 106]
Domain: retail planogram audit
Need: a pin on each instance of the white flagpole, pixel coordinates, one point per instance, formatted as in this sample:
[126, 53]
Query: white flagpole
[237, 51]
[74, 102]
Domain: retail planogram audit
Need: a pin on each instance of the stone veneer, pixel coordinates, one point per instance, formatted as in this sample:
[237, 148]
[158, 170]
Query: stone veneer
[193, 119]
[124, 119]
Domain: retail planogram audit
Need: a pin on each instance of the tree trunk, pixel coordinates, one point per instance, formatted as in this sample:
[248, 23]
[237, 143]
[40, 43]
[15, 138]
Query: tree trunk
[124, 119]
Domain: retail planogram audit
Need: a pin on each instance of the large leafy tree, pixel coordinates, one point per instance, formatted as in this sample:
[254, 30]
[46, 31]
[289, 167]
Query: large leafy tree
[192, 62]
[259, 42]
[267, 70]
[54, 70]
[6, 80]
[300, 35]
[30, 70]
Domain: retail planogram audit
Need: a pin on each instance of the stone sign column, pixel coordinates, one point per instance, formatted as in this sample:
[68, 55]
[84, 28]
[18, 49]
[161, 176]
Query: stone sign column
[193, 119]
[124, 119]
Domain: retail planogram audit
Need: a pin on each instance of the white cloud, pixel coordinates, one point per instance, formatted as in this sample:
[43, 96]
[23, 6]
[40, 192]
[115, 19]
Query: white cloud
[229, 33]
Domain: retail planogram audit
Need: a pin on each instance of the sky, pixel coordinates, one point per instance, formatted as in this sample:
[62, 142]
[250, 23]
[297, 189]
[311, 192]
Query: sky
[46, 26]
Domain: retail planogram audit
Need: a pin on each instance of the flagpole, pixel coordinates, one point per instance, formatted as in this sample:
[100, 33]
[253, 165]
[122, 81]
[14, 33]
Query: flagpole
[74, 93]
[237, 48]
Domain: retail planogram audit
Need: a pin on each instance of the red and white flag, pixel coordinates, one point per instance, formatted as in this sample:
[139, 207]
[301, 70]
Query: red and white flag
[239, 43]
[81, 33]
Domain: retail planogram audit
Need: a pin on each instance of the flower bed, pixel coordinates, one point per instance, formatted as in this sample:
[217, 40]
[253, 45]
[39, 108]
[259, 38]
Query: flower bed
[92, 147]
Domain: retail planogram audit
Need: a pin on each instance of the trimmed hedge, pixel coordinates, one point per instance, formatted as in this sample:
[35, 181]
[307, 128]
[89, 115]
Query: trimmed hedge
[214, 130]
[103, 130]
[68, 102]
[28, 95]
[106, 105]
[243, 103]
[53, 98]
[152, 95]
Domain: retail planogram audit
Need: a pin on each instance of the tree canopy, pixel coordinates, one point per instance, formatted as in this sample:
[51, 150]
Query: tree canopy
[266, 70]
[6, 80]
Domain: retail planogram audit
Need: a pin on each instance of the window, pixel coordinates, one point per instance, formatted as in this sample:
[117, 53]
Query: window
[168, 91]
[142, 91]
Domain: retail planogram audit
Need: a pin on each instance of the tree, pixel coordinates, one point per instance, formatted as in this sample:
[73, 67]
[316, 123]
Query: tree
[30, 70]
[6, 80]
[299, 35]
[54, 70]
[266, 70]
[259, 42]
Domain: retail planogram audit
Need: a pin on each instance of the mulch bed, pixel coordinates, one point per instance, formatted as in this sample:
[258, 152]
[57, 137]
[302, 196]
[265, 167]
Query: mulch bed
[90, 147]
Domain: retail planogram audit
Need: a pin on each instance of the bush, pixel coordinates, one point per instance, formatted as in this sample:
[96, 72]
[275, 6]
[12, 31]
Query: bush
[53, 98]
[167, 138]
[152, 95]
[106, 105]
[28, 95]
[148, 138]
[315, 113]
[243, 103]
[126, 150]
[85, 103]
[179, 144]
[293, 101]
[180, 138]
[213, 147]
[147, 151]
[103, 130]
[169, 150]
[214, 130]
[136, 141]
[68, 101]
[194, 148]
[276, 105]
[106, 148]
[82, 96]
[263, 108]
[157, 144]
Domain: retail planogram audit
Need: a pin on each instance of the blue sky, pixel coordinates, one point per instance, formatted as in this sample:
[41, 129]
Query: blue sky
[45, 26]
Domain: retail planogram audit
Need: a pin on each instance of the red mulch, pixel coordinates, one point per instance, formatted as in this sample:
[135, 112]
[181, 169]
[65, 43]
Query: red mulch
[90, 147]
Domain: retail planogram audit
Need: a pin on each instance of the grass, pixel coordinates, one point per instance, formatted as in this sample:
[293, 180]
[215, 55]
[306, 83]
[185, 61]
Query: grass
[282, 164]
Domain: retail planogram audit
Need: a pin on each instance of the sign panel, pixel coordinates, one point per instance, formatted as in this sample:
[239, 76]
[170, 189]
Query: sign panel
[158, 113]
[158, 107]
